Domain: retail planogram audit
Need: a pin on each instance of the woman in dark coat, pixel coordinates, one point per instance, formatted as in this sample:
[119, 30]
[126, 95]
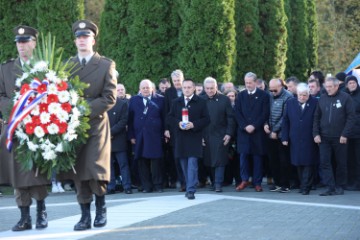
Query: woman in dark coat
[297, 128]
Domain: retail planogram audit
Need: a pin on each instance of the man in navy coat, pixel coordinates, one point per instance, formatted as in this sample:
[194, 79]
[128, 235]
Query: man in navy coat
[297, 132]
[145, 129]
[252, 110]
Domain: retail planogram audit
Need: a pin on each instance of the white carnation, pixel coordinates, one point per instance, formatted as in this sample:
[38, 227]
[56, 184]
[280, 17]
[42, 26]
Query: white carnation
[64, 96]
[36, 111]
[40, 66]
[74, 97]
[53, 128]
[32, 146]
[51, 76]
[52, 89]
[70, 136]
[19, 133]
[75, 113]
[62, 115]
[44, 117]
[27, 119]
[54, 108]
[39, 132]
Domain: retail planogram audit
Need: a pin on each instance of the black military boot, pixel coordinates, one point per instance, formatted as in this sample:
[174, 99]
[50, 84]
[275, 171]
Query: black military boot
[41, 215]
[100, 218]
[85, 220]
[25, 220]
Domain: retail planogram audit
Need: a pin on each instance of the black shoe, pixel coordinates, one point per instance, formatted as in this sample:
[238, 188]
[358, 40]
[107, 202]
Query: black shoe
[285, 190]
[190, 196]
[218, 189]
[25, 220]
[305, 192]
[327, 193]
[85, 220]
[41, 215]
[111, 191]
[128, 191]
[100, 217]
[339, 191]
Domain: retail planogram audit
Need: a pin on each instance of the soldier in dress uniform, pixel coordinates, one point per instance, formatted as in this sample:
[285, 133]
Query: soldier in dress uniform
[93, 161]
[27, 184]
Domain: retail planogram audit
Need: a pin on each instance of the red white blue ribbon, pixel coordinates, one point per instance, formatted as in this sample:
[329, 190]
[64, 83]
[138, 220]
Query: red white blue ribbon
[21, 110]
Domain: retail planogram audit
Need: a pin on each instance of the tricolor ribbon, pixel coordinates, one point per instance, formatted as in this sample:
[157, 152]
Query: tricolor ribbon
[21, 110]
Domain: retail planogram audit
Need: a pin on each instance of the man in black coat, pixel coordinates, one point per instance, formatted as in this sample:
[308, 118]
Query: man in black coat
[353, 89]
[189, 134]
[118, 117]
[177, 77]
[333, 124]
[252, 109]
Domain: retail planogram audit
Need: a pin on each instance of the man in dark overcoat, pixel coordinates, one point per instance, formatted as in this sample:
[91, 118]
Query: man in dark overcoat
[218, 133]
[146, 120]
[252, 111]
[27, 185]
[297, 133]
[93, 161]
[118, 117]
[189, 134]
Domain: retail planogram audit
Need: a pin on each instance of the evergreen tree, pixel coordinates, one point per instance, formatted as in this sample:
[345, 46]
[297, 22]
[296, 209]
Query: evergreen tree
[289, 61]
[114, 39]
[273, 25]
[249, 44]
[50, 19]
[207, 39]
[299, 40]
[313, 39]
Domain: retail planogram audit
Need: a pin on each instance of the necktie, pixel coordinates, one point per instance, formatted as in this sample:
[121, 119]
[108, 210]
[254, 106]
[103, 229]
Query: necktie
[83, 62]
[147, 101]
[187, 101]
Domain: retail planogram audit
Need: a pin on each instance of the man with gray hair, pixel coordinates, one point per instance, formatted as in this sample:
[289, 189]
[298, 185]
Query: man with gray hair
[297, 132]
[218, 133]
[333, 123]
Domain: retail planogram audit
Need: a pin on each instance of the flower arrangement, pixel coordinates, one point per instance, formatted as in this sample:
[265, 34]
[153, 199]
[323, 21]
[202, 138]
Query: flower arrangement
[49, 115]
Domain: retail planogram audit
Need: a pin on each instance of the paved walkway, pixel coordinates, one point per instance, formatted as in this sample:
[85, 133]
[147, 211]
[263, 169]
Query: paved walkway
[228, 215]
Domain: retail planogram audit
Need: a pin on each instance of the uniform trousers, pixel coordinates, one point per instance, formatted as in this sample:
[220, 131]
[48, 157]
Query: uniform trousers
[23, 195]
[86, 189]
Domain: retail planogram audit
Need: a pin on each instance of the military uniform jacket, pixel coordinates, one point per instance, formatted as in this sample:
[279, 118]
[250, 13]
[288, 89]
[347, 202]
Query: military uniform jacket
[10, 169]
[93, 161]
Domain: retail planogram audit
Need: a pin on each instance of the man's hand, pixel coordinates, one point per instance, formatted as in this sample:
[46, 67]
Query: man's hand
[285, 143]
[317, 139]
[167, 134]
[343, 140]
[273, 135]
[133, 141]
[250, 129]
[267, 129]
[226, 139]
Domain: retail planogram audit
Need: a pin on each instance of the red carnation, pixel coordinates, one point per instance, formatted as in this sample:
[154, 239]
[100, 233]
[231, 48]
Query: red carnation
[42, 88]
[24, 88]
[43, 107]
[62, 127]
[44, 127]
[54, 119]
[29, 128]
[36, 120]
[62, 86]
[66, 107]
[52, 98]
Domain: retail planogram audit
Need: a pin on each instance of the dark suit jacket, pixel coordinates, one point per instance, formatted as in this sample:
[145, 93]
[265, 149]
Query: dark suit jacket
[297, 127]
[147, 128]
[254, 111]
[170, 95]
[118, 117]
[188, 143]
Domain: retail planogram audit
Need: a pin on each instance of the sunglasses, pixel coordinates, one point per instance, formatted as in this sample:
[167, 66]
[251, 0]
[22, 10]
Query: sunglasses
[274, 91]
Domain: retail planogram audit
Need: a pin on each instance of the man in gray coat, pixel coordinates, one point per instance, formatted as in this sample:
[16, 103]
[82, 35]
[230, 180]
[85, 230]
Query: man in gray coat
[93, 162]
[26, 184]
[218, 133]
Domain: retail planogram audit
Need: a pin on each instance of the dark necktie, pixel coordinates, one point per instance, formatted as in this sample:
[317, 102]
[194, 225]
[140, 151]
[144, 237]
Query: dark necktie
[83, 62]
[147, 101]
[187, 101]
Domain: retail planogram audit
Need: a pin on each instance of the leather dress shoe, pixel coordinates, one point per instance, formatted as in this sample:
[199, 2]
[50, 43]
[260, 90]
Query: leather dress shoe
[258, 189]
[242, 186]
[328, 193]
[128, 191]
[190, 196]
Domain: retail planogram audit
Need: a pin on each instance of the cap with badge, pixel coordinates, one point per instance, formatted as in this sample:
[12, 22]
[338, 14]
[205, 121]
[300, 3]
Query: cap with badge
[85, 28]
[25, 33]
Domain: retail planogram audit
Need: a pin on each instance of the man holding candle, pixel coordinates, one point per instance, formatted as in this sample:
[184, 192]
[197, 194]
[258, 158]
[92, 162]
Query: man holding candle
[189, 132]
